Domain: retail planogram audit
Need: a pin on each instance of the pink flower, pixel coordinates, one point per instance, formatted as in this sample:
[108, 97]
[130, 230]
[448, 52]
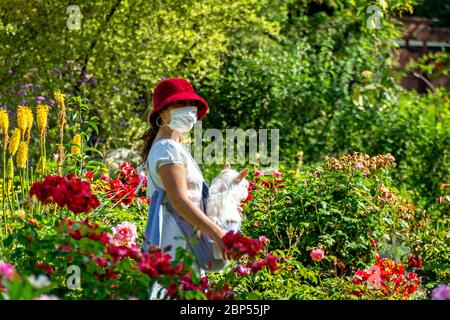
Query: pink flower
[263, 239]
[338, 166]
[46, 297]
[271, 262]
[359, 166]
[317, 255]
[124, 234]
[277, 173]
[258, 173]
[6, 270]
[143, 177]
[241, 271]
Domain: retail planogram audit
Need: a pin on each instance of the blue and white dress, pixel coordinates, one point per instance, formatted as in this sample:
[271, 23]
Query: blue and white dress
[166, 151]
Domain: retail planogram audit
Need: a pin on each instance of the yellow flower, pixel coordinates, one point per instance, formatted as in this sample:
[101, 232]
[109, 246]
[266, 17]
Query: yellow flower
[76, 141]
[41, 164]
[22, 155]
[42, 116]
[367, 74]
[444, 186]
[14, 142]
[4, 121]
[9, 173]
[29, 123]
[10, 169]
[59, 97]
[21, 214]
[22, 118]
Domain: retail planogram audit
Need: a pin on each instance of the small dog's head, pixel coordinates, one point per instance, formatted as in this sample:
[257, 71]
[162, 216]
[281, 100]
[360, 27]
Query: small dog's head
[227, 190]
[229, 179]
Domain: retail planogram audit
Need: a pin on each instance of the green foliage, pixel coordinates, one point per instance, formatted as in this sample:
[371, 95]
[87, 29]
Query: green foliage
[121, 51]
[345, 210]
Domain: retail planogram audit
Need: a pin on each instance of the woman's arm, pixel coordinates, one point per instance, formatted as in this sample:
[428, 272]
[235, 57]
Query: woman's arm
[173, 177]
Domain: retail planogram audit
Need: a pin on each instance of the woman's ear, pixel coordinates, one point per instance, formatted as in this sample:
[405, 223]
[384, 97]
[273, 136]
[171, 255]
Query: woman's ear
[241, 175]
[164, 115]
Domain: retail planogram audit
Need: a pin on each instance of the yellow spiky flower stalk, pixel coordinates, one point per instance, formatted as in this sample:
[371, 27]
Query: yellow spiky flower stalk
[22, 155]
[59, 97]
[41, 164]
[4, 120]
[76, 141]
[14, 142]
[22, 119]
[42, 118]
[29, 123]
[4, 125]
[10, 173]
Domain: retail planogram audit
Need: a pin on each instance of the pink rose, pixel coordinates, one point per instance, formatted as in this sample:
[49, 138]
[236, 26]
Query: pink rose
[124, 234]
[6, 270]
[317, 255]
[263, 239]
[359, 166]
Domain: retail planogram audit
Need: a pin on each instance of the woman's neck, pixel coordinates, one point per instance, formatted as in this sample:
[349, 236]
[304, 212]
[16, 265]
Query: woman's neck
[165, 133]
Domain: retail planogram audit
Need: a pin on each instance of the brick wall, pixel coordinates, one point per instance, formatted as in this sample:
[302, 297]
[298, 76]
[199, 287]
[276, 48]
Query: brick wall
[421, 38]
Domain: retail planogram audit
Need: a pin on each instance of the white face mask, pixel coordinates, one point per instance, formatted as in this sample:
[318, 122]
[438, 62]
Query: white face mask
[183, 118]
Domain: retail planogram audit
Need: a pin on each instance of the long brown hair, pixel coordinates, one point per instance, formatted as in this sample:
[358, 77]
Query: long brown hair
[148, 137]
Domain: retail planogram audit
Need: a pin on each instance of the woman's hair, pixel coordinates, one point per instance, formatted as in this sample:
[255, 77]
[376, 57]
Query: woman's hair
[148, 137]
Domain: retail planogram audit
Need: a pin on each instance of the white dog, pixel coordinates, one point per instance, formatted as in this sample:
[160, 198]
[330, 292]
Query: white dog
[226, 193]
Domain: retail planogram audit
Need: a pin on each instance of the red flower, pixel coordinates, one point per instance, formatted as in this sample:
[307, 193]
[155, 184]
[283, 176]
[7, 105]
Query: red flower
[45, 267]
[68, 190]
[238, 245]
[127, 170]
[224, 293]
[277, 173]
[391, 278]
[258, 173]
[414, 262]
[172, 289]
[271, 262]
[89, 174]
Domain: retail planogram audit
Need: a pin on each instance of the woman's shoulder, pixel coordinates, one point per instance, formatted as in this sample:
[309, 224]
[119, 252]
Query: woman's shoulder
[165, 143]
[167, 148]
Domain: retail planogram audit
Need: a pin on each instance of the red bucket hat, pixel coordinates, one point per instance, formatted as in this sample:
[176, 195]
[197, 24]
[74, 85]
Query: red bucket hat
[176, 89]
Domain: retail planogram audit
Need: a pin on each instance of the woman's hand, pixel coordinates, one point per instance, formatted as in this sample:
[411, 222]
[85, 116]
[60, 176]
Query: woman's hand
[220, 244]
[240, 209]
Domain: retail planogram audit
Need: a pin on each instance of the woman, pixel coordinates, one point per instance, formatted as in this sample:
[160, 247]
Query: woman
[176, 108]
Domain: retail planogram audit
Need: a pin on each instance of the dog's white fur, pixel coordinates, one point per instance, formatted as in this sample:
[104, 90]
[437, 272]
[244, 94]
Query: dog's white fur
[226, 193]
